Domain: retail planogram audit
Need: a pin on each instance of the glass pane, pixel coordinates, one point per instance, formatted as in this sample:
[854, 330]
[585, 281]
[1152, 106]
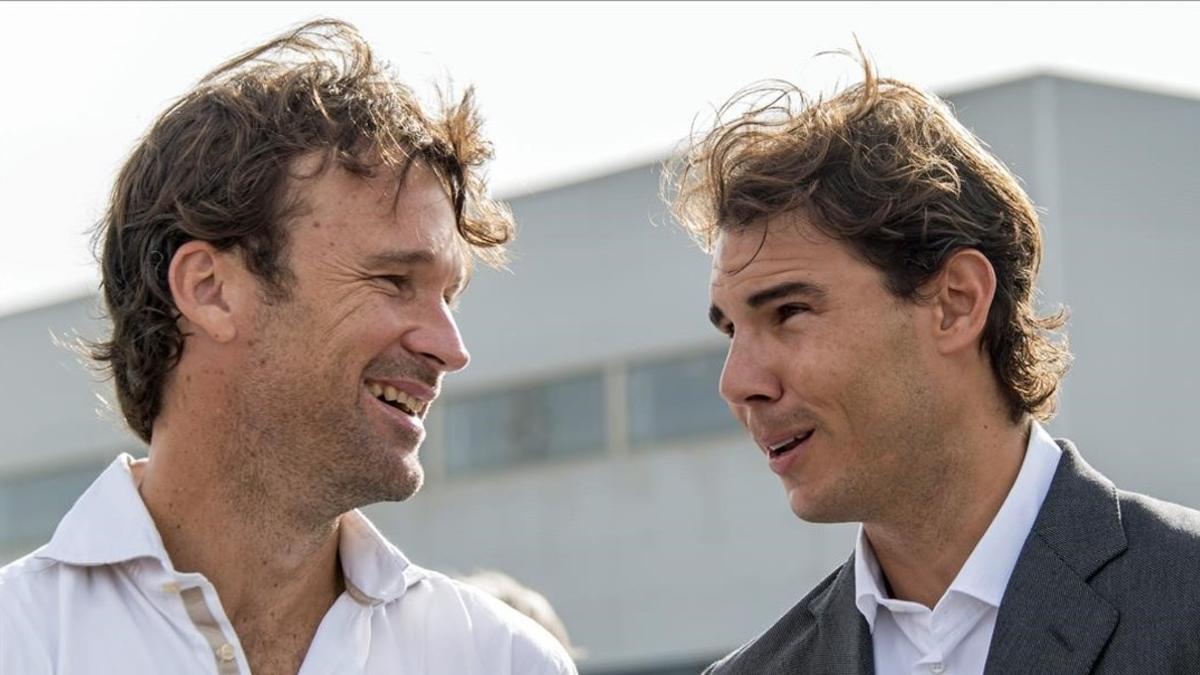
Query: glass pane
[676, 398]
[556, 419]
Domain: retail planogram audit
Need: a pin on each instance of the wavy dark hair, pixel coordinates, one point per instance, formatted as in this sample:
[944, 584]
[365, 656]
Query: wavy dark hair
[217, 164]
[886, 168]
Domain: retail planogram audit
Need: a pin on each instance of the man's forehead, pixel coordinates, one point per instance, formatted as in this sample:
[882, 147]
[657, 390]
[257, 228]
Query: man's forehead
[759, 247]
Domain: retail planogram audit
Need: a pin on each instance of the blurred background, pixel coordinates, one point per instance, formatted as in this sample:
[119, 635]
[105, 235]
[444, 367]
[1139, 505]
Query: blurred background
[585, 451]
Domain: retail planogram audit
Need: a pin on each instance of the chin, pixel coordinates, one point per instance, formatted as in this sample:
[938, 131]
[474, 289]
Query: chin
[811, 509]
[407, 481]
[389, 477]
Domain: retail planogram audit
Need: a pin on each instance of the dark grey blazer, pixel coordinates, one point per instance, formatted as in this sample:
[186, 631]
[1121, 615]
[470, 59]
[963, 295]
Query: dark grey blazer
[1107, 582]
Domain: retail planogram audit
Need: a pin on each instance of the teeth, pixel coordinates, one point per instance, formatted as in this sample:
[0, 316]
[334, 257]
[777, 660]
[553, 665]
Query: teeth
[776, 447]
[788, 444]
[389, 393]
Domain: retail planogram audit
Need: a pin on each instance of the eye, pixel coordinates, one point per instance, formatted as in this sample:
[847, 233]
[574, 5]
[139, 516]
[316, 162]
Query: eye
[727, 329]
[785, 312]
[397, 281]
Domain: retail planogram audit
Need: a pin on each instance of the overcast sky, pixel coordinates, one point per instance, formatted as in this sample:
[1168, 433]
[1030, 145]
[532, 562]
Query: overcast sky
[568, 90]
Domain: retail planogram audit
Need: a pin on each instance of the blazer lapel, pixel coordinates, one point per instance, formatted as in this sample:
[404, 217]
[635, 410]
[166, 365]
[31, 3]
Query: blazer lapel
[1050, 619]
[842, 642]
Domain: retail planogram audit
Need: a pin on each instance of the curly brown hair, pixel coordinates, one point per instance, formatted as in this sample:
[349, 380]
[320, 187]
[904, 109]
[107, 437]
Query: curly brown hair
[217, 164]
[886, 168]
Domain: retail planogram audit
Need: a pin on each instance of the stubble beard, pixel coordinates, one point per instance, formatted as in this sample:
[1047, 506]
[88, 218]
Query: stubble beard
[903, 457]
[907, 460]
[316, 449]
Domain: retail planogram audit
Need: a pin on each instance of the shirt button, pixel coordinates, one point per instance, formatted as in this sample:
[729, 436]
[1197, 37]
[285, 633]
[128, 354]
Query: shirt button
[171, 587]
[936, 668]
[225, 652]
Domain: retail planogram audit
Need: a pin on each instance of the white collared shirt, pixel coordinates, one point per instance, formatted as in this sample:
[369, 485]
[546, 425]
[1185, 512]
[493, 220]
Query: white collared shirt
[953, 638]
[102, 596]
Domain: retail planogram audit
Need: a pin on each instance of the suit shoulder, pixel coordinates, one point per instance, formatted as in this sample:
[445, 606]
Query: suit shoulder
[758, 655]
[1156, 523]
[1164, 534]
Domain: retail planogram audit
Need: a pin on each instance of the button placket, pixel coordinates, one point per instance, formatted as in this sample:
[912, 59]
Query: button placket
[226, 653]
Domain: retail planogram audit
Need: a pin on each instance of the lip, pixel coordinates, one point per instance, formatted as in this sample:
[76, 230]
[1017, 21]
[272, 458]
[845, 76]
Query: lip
[414, 389]
[781, 464]
[420, 392]
[413, 422]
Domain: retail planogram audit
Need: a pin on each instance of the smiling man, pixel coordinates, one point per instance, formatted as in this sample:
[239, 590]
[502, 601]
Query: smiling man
[874, 269]
[280, 259]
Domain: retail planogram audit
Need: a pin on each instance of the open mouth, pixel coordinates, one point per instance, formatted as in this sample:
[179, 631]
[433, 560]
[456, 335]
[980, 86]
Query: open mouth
[788, 445]
[397, 399]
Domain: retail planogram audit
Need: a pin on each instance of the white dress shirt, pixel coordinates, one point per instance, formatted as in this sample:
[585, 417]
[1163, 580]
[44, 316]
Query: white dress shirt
[103, 597]
[953, 638]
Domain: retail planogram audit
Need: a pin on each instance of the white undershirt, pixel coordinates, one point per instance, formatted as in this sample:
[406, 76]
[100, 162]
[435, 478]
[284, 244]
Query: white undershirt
[953, 637]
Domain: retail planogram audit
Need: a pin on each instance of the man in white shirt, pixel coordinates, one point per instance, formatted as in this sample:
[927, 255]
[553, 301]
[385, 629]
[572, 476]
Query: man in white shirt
[874, 268]
[280, 260]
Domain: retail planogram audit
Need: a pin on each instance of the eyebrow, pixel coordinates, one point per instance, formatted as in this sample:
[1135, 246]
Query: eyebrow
[786, 289]
[400, 258]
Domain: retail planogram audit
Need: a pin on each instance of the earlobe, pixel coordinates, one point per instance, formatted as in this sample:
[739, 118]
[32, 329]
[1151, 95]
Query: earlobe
[963, 296]
[199, 281]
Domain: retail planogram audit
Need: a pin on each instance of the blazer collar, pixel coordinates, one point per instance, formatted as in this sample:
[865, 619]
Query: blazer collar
[843, 636]
[1050, 619]
[1081, 517]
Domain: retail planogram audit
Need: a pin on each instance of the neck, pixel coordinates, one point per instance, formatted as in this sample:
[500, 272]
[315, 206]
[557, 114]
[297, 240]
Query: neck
[239, 525]
[922, 546]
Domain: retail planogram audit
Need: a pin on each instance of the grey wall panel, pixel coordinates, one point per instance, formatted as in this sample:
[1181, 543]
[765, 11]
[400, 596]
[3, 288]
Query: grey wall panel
[48, 407]
[1131, 202]
[591, 279]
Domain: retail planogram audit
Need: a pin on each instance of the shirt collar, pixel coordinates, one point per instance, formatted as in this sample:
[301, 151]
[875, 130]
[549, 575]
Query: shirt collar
[375, 570]
[868, 580]
[109, 524]
[986, 572]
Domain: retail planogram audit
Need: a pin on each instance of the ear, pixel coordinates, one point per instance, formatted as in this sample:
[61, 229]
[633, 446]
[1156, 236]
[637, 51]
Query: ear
[202, 285]
[960, 297]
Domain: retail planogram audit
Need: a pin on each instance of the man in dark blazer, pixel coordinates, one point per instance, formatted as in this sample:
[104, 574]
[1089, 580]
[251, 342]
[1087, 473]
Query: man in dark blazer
[874, 269]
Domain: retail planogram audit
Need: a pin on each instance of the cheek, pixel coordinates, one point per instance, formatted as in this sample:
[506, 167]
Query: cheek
[360, 320]
[819, 368]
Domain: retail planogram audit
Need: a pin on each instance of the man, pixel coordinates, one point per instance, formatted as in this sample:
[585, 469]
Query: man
[874, 269]
[280, 260]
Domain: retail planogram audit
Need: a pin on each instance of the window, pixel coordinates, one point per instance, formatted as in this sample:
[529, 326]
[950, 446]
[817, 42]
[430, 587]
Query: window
[665, 399]
[564, 418]
[676, 398]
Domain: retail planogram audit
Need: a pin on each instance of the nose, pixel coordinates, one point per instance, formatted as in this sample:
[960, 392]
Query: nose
[747, 378]
[437, 340]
